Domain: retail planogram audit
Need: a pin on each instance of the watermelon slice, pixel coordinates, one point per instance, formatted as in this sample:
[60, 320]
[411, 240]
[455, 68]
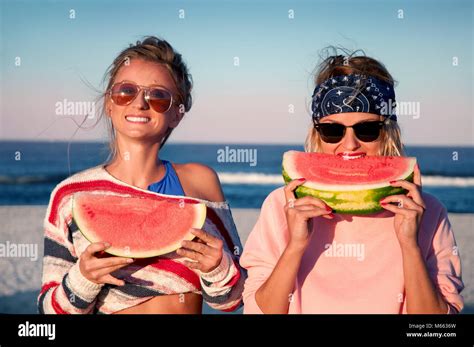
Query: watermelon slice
[352, 186]
[137, 226]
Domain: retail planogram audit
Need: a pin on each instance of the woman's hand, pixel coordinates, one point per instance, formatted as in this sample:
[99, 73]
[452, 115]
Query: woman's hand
[206, 253]
[410, 209]
[299, 214]
[97, 269]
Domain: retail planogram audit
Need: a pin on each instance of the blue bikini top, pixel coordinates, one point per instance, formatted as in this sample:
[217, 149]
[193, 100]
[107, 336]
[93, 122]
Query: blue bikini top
[169, 184]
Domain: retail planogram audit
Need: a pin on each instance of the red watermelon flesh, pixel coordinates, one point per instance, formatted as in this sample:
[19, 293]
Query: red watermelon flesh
[139, 226]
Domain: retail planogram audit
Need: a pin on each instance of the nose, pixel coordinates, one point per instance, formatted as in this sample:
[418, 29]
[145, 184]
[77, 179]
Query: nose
[140, 101]
[350, 141]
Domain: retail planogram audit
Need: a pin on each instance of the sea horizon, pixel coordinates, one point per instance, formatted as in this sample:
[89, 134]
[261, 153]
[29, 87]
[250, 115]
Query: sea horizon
[248, 172]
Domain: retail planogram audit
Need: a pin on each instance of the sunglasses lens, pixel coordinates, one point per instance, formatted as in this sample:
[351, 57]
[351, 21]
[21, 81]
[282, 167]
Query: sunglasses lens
[123, 94]
[331, 132]
[159, 99]
[367, 131]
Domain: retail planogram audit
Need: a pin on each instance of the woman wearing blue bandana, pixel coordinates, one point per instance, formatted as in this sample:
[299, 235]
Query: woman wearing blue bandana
[408, 260]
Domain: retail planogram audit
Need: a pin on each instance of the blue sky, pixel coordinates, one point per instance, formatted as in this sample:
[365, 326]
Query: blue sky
[248, 103]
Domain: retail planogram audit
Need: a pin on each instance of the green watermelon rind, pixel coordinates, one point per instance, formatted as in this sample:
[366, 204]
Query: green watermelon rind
[363, 201]
[89, 236]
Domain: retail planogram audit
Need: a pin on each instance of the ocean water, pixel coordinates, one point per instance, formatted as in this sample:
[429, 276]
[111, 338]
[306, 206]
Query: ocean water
[30, 170]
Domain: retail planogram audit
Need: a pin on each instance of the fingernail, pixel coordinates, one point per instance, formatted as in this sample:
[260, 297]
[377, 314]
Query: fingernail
[393, 181]
[331, 215]
[328, 208]
[301, 179]
[129, 260]
[383, 203]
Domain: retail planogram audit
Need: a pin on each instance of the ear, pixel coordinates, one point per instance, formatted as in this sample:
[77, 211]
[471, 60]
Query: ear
[108, 106]
[178, 114]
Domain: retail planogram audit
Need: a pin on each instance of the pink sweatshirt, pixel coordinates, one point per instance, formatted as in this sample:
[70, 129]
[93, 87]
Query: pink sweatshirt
[353, 263]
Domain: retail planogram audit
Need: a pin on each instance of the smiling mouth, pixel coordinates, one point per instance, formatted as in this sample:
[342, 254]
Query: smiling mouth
[134, 119]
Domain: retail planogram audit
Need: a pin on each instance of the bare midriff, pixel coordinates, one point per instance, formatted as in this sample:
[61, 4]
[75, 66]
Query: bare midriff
[189, 303]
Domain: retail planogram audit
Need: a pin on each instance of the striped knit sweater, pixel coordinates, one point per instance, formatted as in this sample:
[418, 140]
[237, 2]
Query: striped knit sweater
[66, 291]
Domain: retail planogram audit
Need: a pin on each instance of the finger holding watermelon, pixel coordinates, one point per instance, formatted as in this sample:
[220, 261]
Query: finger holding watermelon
[409, 209]
[205, 251]
[299, 214]
[308, 203]
[414, 188]
[98, 269]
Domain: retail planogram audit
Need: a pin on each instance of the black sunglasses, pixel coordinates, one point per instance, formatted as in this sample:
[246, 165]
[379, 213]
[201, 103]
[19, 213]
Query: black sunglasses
[334, 132]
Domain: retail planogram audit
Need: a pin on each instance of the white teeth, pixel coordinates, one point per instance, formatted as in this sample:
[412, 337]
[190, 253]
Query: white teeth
[137, 119]
[349, 157]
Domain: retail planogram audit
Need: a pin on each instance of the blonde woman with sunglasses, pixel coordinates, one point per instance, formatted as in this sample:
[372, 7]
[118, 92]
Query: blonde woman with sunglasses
[408, 260]
[147, 96]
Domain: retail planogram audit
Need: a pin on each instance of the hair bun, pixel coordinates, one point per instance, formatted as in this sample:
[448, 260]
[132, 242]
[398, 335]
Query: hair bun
[336, 60]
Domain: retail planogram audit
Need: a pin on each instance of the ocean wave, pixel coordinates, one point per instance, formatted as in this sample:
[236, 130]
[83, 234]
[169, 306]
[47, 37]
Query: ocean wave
[261, 179]
[236, 178]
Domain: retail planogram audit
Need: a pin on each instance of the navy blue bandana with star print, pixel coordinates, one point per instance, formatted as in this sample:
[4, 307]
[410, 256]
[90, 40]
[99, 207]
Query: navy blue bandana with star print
[353, 93]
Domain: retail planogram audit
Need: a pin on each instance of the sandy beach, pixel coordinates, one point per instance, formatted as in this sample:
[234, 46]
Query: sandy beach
[20, 278]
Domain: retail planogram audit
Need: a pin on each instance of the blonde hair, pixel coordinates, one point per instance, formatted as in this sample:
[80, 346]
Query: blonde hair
[349, 63]
[158, 51]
